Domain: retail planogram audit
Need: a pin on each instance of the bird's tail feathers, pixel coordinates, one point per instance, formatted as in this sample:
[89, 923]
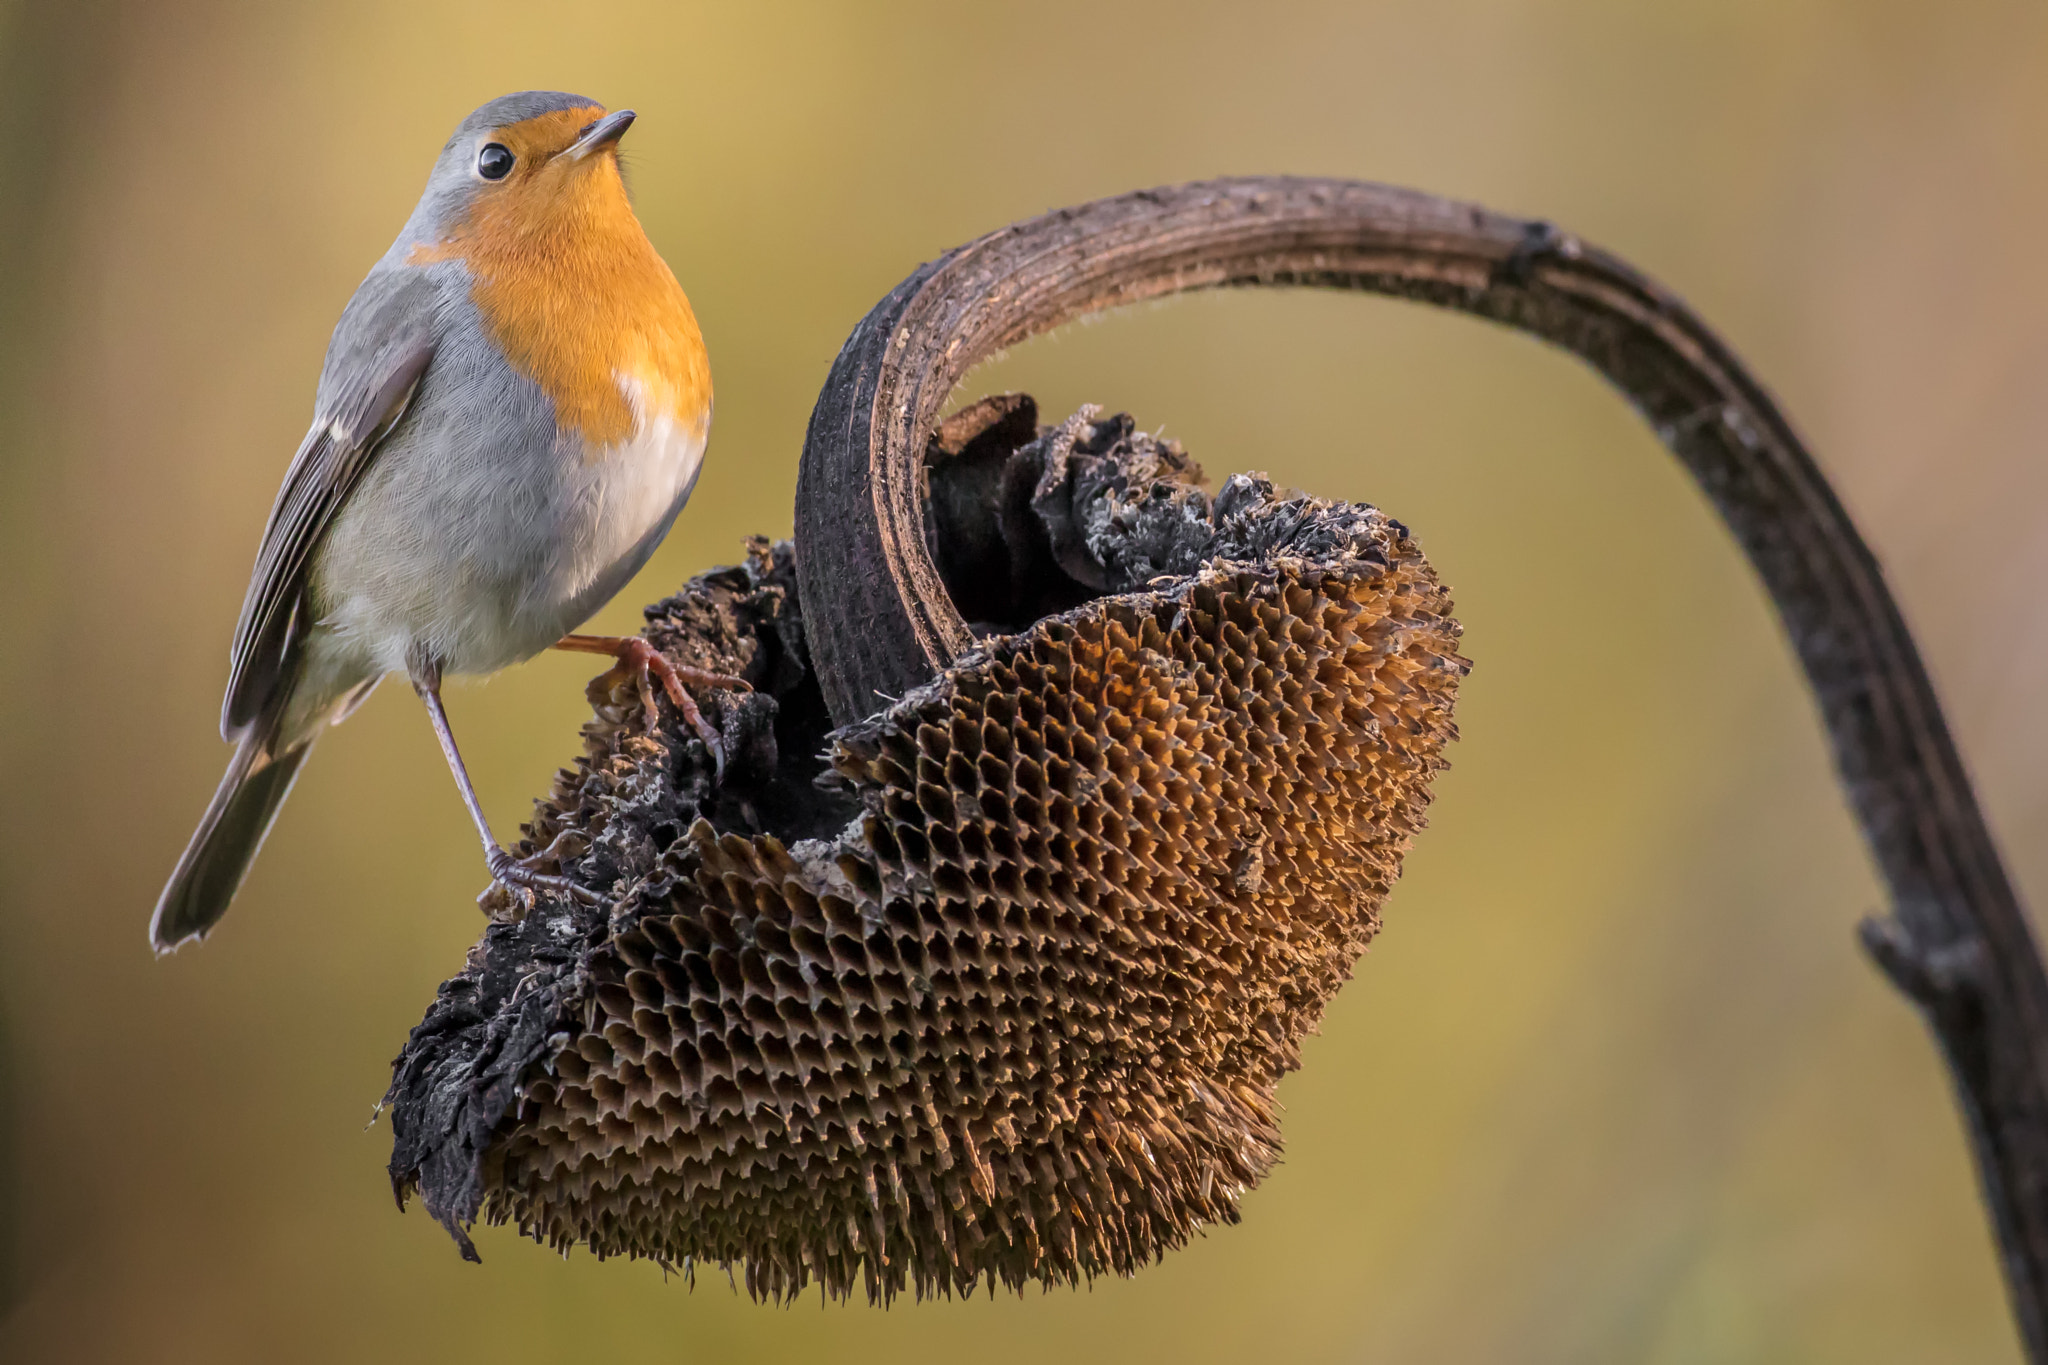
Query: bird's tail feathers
[218, 858]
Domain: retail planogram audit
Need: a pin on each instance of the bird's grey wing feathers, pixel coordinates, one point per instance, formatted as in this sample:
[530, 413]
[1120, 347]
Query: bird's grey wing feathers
[380, 350]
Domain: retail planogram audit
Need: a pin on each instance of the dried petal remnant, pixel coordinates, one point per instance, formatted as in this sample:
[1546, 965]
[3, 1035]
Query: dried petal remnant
[1021, 1019]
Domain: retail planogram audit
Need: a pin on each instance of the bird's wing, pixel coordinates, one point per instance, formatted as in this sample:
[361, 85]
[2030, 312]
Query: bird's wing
[379, 353]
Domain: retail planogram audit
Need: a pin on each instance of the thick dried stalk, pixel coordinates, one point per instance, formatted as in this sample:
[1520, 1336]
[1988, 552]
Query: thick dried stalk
[880, 620]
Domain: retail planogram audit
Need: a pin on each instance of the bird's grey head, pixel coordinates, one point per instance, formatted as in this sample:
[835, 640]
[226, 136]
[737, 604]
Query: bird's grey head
[505, 147]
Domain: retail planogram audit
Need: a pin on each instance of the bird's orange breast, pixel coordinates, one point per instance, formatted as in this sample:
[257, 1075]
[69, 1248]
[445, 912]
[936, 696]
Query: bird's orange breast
[577, 299]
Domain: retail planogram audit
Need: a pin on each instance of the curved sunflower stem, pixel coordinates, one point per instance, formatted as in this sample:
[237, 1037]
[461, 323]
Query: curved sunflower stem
[880, 622]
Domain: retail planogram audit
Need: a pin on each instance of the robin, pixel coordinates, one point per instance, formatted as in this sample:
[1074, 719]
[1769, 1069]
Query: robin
[512, 411]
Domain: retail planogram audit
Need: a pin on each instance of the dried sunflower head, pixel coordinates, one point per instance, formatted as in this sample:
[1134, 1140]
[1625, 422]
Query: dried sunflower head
[997, 984]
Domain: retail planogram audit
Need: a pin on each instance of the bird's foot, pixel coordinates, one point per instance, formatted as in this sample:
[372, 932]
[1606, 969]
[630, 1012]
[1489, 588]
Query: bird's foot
[642, 663]
[522, 881]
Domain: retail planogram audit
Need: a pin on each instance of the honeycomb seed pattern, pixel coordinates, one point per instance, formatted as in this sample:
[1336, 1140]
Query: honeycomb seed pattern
[1023, 1019]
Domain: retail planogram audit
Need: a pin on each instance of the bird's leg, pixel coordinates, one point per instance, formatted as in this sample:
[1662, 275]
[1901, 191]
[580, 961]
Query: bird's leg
[505, 869]
[638, 659]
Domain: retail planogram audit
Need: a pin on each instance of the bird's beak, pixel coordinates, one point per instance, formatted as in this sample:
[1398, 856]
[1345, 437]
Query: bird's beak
[602, 133]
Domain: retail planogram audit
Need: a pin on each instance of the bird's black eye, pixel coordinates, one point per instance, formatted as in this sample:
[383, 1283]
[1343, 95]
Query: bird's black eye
[494, 162]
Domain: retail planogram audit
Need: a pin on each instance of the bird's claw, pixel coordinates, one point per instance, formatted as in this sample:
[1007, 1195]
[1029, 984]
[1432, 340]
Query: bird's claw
[640, 659]
[523, 882]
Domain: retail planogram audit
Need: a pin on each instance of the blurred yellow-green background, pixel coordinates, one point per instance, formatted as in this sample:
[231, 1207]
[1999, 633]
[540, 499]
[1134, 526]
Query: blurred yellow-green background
[1614, 1085]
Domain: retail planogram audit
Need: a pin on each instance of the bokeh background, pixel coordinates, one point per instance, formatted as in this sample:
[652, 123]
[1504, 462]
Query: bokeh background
[1614, 1085]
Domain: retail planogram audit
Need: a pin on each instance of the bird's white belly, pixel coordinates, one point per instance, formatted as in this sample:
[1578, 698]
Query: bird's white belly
[479, 557]
[625, 499]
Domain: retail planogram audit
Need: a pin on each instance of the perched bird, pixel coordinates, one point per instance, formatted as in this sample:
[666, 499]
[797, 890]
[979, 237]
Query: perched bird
[512, 412]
